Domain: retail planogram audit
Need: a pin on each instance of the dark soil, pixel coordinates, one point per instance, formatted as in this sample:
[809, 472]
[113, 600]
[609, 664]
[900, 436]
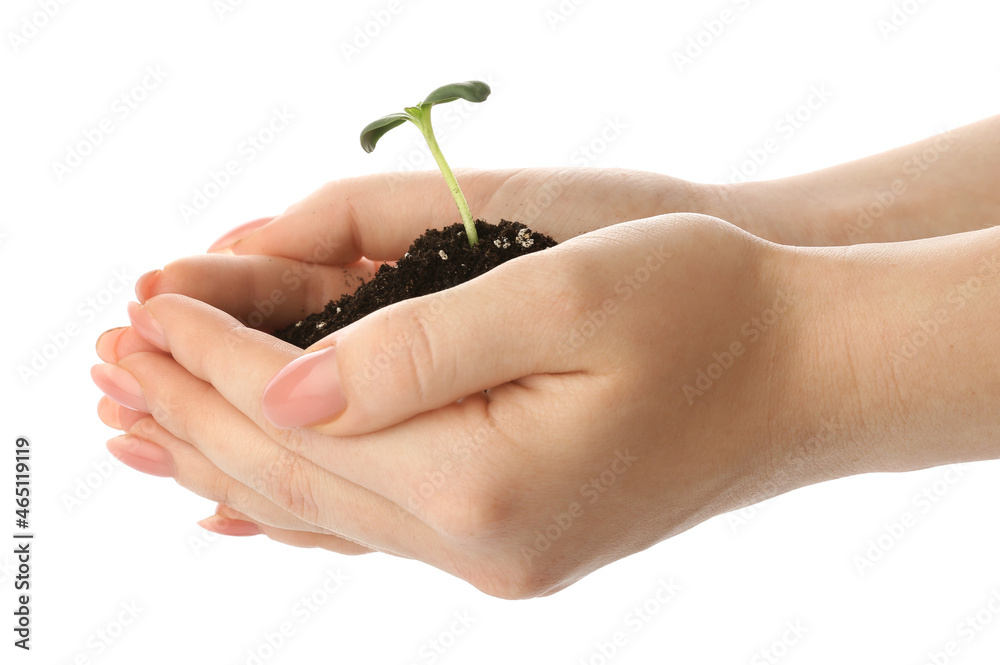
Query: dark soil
[437, 260]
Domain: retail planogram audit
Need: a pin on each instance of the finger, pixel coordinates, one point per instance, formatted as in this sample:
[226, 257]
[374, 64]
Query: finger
[238, 362]
[262, 291]
[194, 411]
[229, 522]
[142, 456]
[421, 354]
[116, 416]
[426, 466]
[378, 216]
[149, 448]
[107, 411]
[119, 342]
[210, 344]
[221, 245]
[375, 216]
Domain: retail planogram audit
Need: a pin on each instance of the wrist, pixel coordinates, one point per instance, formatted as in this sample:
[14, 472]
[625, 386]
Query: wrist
[897, 344]
[937, 186]
[790, 211]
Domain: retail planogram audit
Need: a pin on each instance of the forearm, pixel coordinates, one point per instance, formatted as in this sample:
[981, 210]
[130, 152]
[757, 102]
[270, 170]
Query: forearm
[900, 345]
[941, 185]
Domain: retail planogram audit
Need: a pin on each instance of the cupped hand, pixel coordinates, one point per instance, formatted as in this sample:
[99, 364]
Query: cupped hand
[324, 245]
[519, 431]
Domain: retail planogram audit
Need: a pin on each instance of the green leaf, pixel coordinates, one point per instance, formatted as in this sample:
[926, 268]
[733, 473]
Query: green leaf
[375, 130]
[473, 91]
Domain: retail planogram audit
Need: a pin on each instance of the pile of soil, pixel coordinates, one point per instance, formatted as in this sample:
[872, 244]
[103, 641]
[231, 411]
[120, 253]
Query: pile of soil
[437, 260]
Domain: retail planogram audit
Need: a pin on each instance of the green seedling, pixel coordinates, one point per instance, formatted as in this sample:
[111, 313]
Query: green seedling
[420, 115]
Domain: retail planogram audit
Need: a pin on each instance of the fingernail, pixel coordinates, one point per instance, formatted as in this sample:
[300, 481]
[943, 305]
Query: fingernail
[107, 345]
[229, 527]
[146, 325]
[129, 418]
[142, 455]
[307, 391]
[239, 233]
[144, 285]
[120, 386]
[107, 411]
[223, 510]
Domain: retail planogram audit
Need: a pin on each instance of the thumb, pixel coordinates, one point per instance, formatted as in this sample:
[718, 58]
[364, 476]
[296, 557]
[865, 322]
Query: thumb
[375, 217]
[428, 352]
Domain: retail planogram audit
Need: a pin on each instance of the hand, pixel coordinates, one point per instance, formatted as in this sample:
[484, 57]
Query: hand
[586, 448]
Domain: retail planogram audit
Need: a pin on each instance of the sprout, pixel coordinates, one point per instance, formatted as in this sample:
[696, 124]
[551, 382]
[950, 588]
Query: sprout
[420, 115]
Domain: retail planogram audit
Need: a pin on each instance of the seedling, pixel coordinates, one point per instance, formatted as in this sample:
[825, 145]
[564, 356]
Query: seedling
[420, 115]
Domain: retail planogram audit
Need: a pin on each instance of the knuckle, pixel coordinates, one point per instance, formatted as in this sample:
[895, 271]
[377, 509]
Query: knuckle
[177, 411]
[232, 494]
[471, 513]
[413, 354]
[292, 440]
[569, 288]
[286, 481]
[514, 580]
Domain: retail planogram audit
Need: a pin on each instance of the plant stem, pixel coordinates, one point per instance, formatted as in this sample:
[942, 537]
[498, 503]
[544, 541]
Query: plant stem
[463, 206]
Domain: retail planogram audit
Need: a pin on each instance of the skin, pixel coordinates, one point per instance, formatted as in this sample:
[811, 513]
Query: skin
[737, 360]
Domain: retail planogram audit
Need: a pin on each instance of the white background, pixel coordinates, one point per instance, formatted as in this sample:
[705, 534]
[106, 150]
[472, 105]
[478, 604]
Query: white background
[107, 535]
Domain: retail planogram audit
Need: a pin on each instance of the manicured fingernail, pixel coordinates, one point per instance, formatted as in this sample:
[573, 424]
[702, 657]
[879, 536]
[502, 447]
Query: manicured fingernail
[129, 418]
[120, 386]
[223, 510]
[107, 411]
[239, 233]
[143, 456]
[229, 527]
[307, 391]
[107, 345]
[146, 325]
[144, 285]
